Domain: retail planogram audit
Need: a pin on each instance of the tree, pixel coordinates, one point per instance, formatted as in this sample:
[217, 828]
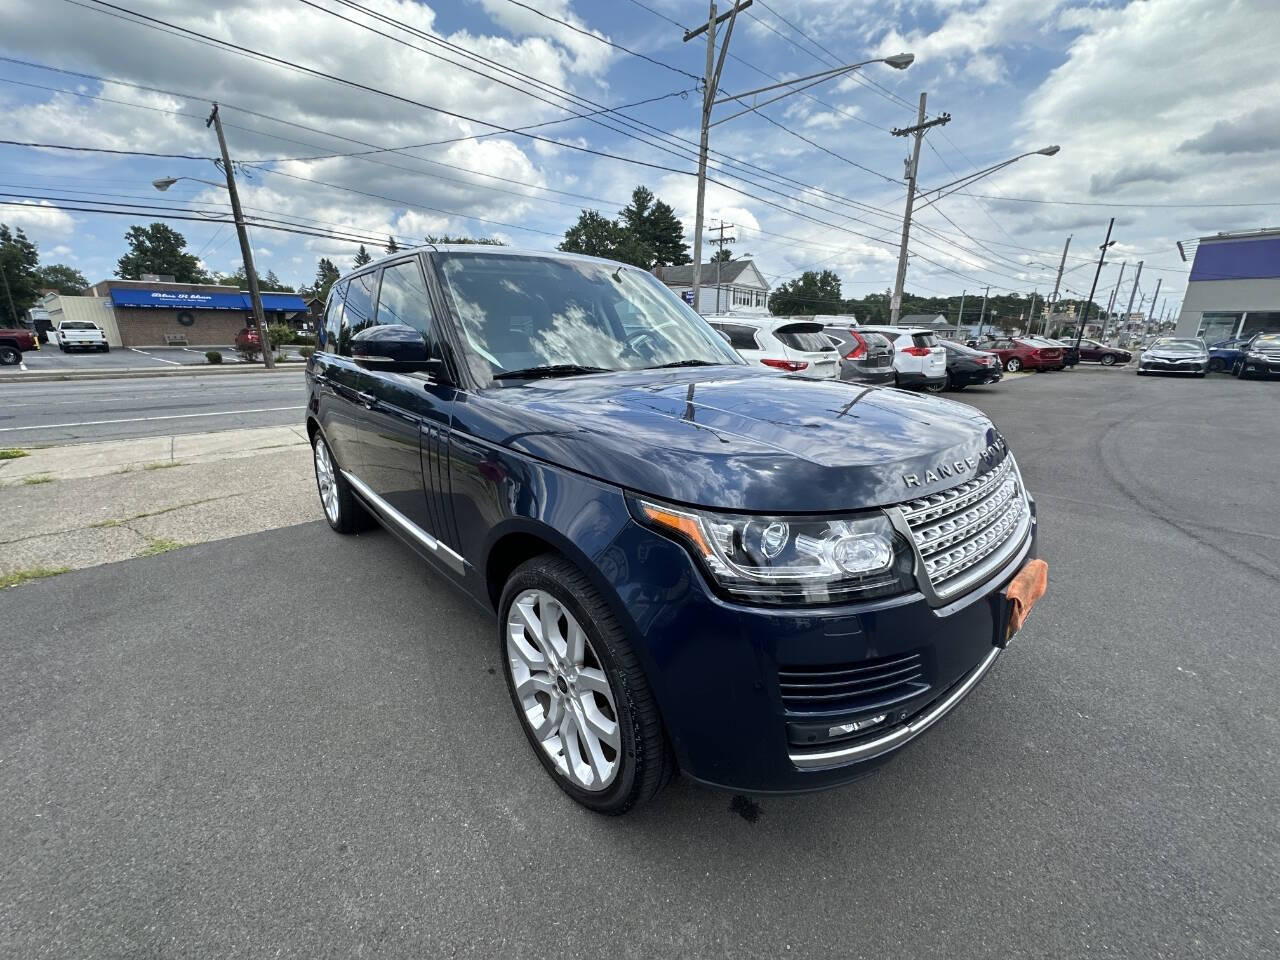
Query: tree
[326, 275]
[362, 256]
[722, 255]
[656, 226]
[158, 248]
[62, 278]
[19, 260]
[392, 246]
[267, 282]
[594, 234]
[809, 293]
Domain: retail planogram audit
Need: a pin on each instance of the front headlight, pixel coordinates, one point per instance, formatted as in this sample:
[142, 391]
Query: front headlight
[790, 560]
[1256, 356]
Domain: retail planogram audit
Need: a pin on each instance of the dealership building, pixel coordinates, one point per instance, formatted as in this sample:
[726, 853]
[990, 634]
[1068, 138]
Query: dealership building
[146, 313]
[1234, 287]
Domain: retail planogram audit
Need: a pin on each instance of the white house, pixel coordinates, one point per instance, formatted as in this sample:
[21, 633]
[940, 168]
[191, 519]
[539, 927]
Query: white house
[733, 286]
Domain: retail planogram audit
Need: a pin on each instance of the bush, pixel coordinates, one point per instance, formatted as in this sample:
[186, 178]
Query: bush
[281, 358]
[278, 334]
[306, 352]
[213, 356]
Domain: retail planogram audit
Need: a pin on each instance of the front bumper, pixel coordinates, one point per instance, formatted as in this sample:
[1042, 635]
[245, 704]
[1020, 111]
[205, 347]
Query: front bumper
[1266, 367]
[1173, 366]
[716, 667]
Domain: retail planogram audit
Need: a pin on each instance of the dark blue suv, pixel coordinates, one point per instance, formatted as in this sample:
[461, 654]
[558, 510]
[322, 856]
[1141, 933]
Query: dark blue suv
[766, 582]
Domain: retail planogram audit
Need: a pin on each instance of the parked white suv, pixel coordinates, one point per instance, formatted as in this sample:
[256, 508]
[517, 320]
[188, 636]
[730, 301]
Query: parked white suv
[797, 346]
[81, 335]
[918, 359]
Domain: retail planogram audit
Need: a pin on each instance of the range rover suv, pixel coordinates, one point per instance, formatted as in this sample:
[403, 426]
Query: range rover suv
[763, 581]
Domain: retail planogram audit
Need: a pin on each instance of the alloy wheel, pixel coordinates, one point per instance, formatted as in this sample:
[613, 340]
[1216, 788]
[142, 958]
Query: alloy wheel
[326, 480]
[1108, 359]
[563, 690]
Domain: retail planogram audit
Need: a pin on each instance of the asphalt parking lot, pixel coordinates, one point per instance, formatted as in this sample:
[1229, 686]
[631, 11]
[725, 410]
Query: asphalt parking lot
[49, 359]
[293, 744]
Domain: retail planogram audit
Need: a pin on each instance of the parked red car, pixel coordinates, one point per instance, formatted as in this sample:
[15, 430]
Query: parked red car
[1017, 353]
[14, 342]
[248, 341]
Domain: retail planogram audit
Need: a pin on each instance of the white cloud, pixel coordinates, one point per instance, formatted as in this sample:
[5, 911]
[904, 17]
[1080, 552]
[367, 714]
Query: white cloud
[38, 215]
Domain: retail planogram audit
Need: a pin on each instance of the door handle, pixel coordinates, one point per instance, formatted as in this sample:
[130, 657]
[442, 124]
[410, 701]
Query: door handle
[368, 399]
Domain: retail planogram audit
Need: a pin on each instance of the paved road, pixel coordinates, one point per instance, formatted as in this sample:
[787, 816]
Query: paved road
[194, 765]
[49, 359]
[68, 411]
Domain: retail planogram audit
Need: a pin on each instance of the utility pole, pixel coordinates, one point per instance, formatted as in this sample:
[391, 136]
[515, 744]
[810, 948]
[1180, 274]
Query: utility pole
[1053, 299]
[13, 311]
[720, 244]
[1155, 298]
[251, 275]
[895, 305]
[710, 84]
[1111, 305]
[960, 315]
[1102, 256]
[983, 312]
[1031, 316]
[1128, 311]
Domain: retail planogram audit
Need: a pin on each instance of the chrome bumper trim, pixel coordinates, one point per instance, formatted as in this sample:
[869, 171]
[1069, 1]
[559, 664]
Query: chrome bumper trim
[901, 735]
[451, 559]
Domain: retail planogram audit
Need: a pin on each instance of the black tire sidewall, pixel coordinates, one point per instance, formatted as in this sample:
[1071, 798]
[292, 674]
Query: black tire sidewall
[546, 573]
[10, 356]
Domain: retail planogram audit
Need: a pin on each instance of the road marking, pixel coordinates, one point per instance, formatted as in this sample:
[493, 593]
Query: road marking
[161, 359]
[168, 416]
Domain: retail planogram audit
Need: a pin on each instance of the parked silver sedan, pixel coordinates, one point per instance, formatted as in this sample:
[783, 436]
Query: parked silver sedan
[1175, 355]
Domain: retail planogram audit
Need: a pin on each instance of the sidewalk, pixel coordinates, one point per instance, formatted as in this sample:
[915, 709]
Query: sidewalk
[82, 505]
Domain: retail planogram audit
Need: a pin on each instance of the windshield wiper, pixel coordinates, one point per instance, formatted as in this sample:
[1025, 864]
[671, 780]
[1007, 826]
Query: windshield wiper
[549, 370]
[684, 363]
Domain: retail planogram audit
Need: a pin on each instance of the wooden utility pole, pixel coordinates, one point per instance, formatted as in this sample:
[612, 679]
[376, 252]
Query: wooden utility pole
[895, 305]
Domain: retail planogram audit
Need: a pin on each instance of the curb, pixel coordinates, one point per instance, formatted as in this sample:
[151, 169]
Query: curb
[142, 373]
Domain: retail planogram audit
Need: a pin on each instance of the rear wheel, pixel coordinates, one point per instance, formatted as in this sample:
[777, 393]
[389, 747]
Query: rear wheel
[1013, 364]
[582, 697]
[341, 508]
[106, 348]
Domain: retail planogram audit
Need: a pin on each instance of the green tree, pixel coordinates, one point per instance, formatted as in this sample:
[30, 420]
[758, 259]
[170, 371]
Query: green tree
[809, 293]
[158, 248]
[62, 278]
[594, 234]
[722, 255]
[656, 226]
[19, 260]
[392, 246]
[362, 256]
[268, 282]
[326, 275]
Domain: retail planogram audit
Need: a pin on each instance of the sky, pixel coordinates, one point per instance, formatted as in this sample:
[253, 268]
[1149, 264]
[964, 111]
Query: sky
[1167, 113]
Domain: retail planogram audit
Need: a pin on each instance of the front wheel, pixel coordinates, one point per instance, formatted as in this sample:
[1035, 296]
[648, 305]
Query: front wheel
[1013, 364]
[1217, 365]
[341, 508]
[10, 356]
[582, 697]
[1108, 360]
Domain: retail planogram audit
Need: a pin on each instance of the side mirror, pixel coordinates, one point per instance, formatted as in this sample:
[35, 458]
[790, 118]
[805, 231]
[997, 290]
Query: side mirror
[393, 347]
[726, 337]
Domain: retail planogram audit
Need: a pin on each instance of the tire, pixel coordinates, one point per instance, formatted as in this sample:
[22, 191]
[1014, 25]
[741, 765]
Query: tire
[1240, 372]
[1108, 360]
[1217, 365]
[106, 348]
[64, 348]
[642, 762]
[1201, 375]
[1013, 365]
[10, 356]
[344, 512]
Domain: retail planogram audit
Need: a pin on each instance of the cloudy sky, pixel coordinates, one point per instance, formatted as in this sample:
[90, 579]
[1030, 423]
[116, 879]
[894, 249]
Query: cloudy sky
[1166, 112]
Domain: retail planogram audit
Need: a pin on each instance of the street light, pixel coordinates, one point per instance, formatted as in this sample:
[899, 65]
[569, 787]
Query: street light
[969, 178]
[164, 183]
[711, 86]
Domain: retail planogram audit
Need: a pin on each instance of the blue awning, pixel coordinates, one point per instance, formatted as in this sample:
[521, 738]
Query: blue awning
[184, 300]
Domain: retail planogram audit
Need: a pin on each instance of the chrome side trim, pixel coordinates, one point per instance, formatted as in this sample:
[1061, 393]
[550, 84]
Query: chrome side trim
[450, 558]
[901, 735]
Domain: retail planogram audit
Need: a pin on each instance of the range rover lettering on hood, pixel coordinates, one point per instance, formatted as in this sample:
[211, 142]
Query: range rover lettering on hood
[957, 468]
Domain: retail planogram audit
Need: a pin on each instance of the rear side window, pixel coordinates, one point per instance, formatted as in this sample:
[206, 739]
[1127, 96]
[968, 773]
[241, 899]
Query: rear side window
[877, 341]
[333, 317]
[924, 339]
[741, 336]
[842, 340]
[403, 298]
[805, 337]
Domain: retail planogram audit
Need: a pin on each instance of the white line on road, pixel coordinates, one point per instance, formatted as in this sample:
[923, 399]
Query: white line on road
[161, 359]
[168, 416]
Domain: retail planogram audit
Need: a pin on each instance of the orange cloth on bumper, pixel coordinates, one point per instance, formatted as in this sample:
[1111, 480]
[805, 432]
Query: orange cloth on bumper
[1024, 590]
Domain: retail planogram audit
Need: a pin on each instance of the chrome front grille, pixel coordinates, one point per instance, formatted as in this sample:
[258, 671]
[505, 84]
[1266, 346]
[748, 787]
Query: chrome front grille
[965, 533]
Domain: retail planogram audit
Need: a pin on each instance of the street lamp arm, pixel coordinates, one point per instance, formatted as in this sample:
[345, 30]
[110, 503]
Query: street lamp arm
[899, 61]
[164, 183]
[969, 178]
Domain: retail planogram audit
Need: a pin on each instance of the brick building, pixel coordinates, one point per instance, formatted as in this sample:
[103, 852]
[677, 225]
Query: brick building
[155, 313]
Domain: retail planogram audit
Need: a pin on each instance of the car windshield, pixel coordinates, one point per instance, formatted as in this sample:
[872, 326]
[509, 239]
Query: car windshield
[1175, 345]
[1267, 340]
[529, 312]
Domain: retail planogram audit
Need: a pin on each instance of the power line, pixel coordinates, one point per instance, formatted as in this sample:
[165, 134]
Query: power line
[1133, 206]
[130, 153]
[597, 37]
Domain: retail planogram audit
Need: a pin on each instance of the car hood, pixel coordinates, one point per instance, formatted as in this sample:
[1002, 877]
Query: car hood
[1173, 355]
[737, 439]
